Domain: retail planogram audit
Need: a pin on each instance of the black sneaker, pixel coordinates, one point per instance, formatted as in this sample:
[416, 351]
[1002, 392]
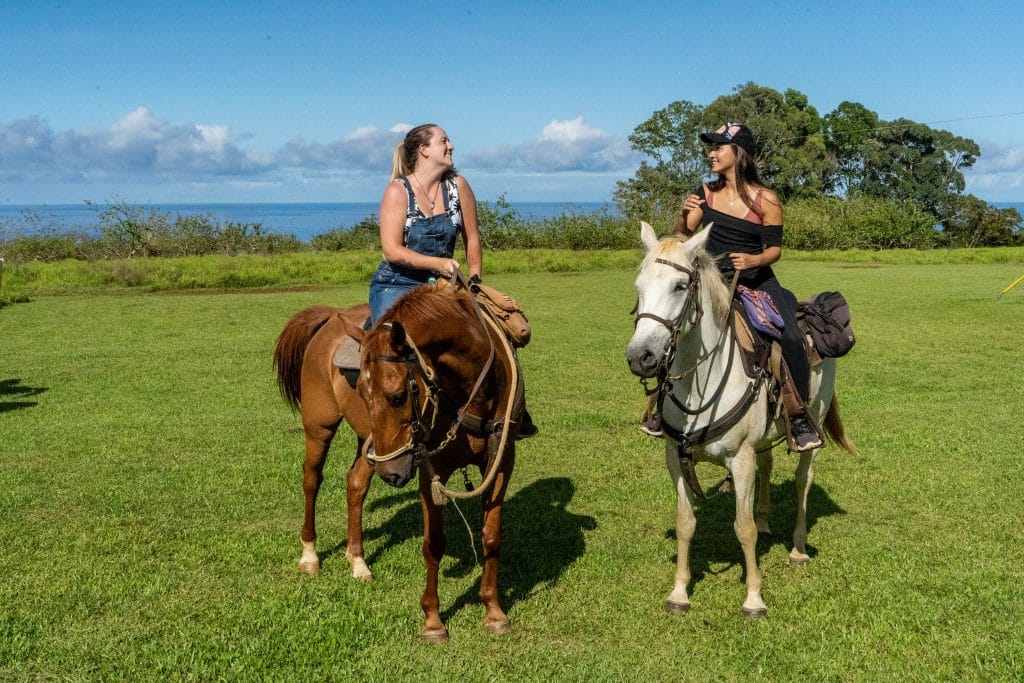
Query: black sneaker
[804, 435]
[650, 424]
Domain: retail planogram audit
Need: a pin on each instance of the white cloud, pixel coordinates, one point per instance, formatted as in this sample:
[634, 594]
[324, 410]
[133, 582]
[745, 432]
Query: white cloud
[139, 141]
[365, 149]
[569, 145]
[998, 174]
[144, 150]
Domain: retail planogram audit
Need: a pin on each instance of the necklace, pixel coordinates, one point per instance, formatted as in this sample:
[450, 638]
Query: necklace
[430, 201]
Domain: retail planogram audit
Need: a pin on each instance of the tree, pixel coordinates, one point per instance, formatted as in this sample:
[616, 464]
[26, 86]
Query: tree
[848, 129]
[972, 222]
[904, 160]
[677, 165]
[848, 153]
[793, 156]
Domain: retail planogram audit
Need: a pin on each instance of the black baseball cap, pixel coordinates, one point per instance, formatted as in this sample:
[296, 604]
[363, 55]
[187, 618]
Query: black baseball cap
[734, 133]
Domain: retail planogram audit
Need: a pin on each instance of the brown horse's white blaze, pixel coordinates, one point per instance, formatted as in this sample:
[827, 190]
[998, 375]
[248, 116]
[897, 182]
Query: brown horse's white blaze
[709, 380]
[450, 347]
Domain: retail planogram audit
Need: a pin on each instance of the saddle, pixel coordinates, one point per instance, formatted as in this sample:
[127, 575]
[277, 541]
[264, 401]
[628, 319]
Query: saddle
[346, 358]
[762, 355]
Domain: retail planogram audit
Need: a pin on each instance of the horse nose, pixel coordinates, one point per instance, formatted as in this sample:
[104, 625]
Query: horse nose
[394, 479]
[645, 364]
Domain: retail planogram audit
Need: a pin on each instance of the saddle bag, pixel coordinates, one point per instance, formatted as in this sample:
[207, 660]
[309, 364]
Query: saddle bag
[506, 312]
[827, 317]
[761, 311]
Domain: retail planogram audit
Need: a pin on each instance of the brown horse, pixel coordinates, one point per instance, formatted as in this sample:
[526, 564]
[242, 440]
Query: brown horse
[434, 394]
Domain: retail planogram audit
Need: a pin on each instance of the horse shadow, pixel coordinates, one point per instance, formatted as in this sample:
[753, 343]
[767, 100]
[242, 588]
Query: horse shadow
[14, 387]
[715, 542]
[541, 538]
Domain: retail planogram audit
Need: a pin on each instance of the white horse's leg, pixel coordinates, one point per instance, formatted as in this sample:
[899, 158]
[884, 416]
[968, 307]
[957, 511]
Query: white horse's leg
[746, 530]
[678, 600]
[764, 504]
[804, 479]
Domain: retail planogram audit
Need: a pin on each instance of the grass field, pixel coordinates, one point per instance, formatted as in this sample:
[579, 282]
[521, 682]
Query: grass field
[150, 503]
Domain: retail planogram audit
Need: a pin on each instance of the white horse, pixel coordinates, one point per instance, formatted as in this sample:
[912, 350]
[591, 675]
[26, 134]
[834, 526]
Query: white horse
[715, 412]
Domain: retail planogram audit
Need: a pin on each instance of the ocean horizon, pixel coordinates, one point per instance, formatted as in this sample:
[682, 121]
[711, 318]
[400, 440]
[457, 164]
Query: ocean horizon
[304, 220]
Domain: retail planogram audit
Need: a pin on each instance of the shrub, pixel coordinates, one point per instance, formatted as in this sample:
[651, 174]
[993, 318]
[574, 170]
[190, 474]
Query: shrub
[364, 235]
[857, 223]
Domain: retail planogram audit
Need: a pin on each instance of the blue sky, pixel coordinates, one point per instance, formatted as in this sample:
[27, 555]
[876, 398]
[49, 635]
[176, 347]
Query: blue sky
[297, 101]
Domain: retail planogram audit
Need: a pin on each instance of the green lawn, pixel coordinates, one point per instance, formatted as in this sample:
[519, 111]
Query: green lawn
[150, 503]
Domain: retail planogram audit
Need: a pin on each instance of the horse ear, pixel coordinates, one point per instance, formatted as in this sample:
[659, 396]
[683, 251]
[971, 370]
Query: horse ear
[697, 240]
[397, 336]
[354, 331]
[647, 236]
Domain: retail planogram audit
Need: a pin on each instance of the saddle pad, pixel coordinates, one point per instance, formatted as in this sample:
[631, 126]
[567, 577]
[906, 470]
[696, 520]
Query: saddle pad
[347, 355]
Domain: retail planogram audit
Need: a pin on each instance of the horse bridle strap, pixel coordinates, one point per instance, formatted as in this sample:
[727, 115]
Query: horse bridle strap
[691, 300]
[436, 396]
[415, 364]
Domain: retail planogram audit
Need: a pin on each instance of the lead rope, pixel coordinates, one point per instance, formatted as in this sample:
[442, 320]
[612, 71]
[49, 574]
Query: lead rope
[439, 492]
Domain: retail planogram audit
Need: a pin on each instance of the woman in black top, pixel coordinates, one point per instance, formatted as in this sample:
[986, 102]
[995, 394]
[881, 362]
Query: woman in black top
[746, 236]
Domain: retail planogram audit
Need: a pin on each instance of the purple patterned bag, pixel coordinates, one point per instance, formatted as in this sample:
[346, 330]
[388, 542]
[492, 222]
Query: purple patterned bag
[761, 311]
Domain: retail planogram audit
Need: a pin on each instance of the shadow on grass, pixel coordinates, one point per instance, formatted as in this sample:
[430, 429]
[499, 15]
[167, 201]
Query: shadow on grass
[541, 538]
[715, 541]
[406, 523]
[14, 387]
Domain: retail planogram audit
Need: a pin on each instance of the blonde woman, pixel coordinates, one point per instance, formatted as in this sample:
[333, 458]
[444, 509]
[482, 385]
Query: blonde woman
[425, 207]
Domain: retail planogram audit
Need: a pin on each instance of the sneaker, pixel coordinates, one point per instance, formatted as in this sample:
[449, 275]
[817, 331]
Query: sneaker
[527, 428]
[804, 435]
[650, 424]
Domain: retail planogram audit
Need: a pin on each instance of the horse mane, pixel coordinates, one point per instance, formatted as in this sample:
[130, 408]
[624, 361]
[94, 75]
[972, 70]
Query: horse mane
[426, 307]
[671, 248]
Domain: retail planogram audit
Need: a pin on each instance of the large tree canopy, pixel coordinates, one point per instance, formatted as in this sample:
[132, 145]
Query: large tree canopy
[849, 152]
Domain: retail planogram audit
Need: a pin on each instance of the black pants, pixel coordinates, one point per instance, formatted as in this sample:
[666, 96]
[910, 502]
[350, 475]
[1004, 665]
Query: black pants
[794, 350]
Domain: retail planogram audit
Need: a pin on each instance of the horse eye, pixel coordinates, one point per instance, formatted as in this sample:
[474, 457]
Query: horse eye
[681, 285]
[396, 399]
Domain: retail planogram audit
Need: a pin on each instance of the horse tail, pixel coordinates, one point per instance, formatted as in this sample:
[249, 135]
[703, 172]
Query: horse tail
[835, 429]
[291, 350]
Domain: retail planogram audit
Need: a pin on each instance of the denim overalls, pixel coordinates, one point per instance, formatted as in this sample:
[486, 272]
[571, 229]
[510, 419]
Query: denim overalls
[427, 235]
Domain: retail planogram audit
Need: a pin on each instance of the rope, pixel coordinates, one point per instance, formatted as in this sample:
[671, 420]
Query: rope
[439, 492]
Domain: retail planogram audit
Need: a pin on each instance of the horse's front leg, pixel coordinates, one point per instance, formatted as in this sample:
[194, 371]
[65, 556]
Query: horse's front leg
[678, 600]
[764, 504]
[742, 467]
[804, 479]
[434, 630]
[359, 477]
[496, 621]
[318, 441]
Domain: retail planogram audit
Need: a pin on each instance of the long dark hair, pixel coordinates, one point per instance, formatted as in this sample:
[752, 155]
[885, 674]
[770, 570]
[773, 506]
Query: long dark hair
[748, 179]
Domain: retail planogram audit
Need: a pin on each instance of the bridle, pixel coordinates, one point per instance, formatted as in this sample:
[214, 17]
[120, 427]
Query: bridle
[664, 385]
[417, 371]
[691, 309]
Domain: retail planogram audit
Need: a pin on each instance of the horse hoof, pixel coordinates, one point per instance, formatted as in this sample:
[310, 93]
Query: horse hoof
[755, 613]
[309, 567]
[435, 636]
[677, 607]
[799, 560]
[499, 627]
